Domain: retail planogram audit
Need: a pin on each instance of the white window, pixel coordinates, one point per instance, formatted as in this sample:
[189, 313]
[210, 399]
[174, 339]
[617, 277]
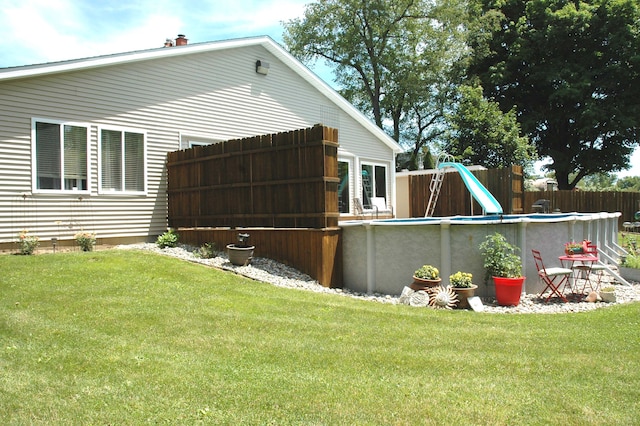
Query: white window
[344, 191]
[374, 183]
[60, 152]
[122, 161]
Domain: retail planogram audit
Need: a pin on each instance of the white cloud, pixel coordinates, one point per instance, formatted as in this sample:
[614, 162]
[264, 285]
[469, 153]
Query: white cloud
[37, 31]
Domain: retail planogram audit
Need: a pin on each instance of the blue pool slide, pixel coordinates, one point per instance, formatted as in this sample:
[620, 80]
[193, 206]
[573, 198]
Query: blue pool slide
[478, 191]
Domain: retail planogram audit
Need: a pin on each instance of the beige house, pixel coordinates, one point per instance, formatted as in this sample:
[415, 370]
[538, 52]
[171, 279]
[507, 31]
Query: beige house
[83, 143]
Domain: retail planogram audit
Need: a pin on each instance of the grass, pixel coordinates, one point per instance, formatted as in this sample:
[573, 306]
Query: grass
[121, 337]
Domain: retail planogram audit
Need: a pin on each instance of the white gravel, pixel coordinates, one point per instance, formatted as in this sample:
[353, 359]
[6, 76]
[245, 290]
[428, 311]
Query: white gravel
[278, 274]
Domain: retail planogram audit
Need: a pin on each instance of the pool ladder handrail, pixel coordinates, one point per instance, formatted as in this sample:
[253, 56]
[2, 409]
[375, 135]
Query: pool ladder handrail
[436, 184]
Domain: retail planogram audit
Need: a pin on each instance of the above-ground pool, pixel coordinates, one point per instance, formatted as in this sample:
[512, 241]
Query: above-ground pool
[380, 256]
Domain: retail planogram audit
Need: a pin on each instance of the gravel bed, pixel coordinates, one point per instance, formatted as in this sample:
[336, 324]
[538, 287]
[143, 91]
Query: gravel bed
[278, 274]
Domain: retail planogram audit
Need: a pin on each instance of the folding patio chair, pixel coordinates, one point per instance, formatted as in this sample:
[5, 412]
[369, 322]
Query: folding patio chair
[554, 277]
[592, 270]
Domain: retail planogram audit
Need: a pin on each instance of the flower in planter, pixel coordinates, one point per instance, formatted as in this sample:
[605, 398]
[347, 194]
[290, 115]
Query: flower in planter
[28, 243]
[86, 240]
[427, 272]
[572, 247]
[461, 280]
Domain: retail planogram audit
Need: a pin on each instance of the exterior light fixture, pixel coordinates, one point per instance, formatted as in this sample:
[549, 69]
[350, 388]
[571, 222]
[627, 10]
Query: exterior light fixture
[262, 67]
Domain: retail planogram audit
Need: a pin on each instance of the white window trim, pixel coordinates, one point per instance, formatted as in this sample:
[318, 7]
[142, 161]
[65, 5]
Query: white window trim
[34, 158]
[387, 182]
[144, 160]
[188, 140]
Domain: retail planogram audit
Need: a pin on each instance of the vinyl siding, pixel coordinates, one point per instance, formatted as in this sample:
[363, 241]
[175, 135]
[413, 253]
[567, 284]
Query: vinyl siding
[213, 94]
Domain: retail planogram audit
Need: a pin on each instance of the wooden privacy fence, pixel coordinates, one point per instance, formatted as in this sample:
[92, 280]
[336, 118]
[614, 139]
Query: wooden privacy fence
[626, 202]
[284, 180]
[316, 252]
[281, 188]
[506, 185]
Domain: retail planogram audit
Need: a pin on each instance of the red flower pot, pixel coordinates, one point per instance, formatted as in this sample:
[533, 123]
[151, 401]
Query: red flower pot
[508, 290]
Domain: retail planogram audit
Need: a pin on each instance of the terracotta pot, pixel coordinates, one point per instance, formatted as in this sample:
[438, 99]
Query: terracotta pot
[508, 290]
[464, 293]
[240, 256]
[424, 284]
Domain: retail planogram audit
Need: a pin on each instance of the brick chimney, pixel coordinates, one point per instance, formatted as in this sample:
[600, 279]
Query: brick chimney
[181, 41]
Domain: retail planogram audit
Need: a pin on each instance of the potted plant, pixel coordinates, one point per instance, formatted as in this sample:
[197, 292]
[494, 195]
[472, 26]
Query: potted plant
[573, 248]
[425, 278]
[630, 262]
[240, 254]
[503, 264]
[462, 284]
[608, 294]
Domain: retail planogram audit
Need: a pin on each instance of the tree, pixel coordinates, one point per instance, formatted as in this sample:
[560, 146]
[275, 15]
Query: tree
[629, 183]
[480, 133]
[392, 59]
[572, 69]
[598, 182]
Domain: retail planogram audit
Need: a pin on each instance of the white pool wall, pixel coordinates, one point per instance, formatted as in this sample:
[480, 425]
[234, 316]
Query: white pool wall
[379, 256]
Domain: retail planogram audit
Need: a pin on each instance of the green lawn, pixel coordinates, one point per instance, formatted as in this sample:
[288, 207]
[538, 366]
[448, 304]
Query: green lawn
[126, 338]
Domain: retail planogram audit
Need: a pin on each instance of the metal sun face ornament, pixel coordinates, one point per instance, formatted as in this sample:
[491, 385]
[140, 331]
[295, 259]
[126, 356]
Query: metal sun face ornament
[443, 298]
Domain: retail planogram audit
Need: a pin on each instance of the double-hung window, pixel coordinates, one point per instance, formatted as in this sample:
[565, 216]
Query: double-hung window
[374, 183]
[122, 161]
[61, 156]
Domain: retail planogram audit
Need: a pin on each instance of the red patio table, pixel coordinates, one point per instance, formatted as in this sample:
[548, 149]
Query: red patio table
[586, 263]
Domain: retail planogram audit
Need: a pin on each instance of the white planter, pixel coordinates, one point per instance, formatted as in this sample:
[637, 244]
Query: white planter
[630, 274]
[609, 297]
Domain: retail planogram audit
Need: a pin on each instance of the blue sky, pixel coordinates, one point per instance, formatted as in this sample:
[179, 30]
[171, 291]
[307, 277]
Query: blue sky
[39, 31]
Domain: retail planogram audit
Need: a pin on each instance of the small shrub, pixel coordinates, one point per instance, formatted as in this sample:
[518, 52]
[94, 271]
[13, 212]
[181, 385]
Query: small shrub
[86, 240]
[206, 251]
[27, 243]
[427, 272]
[631, 261]
[168, 239]
[461, 280]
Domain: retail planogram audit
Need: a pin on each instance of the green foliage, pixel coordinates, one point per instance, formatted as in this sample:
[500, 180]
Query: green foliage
[631, 243]
[172, 342]
[427, 272]
[572, 70]
[206, 251]
[27, 243]
[629, 183]
[168, 239]
[393, 60]
[480, 133]
[86, 240]
[461, 280]
[501, 259]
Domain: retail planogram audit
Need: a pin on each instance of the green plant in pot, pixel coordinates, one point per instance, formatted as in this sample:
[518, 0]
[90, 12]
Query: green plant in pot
[608, 294]
[462, 284]
[425, 278]
[503, 264]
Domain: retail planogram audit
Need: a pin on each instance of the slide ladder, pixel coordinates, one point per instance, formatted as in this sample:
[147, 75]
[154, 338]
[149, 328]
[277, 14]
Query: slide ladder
[435, 185]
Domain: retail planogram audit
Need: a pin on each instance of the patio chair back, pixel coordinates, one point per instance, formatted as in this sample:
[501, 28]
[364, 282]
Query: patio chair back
[553, 278]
